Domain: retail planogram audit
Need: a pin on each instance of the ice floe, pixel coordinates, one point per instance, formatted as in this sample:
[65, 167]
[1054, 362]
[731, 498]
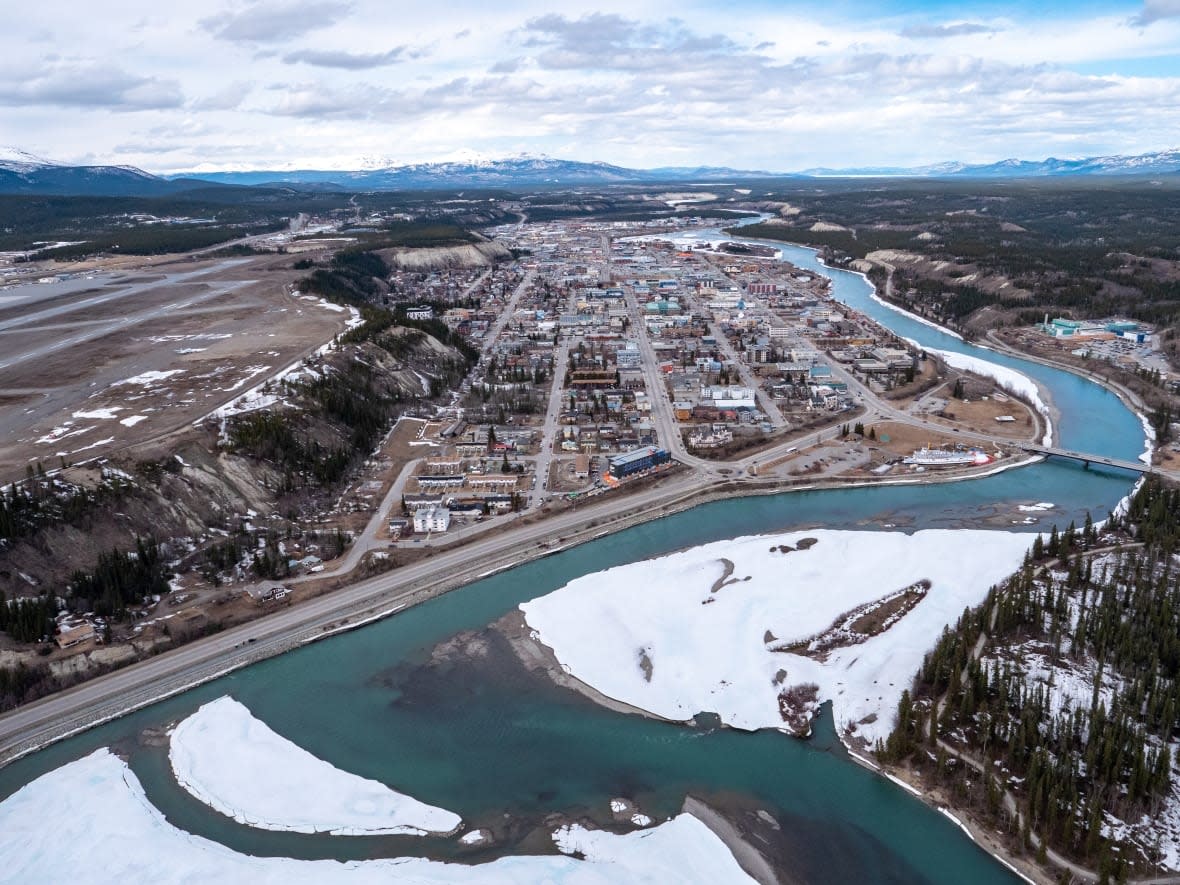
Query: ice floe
[703, 630]
[236, 764]
[105, 829]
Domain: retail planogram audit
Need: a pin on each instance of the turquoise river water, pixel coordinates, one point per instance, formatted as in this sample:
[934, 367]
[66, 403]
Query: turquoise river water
[484, 738]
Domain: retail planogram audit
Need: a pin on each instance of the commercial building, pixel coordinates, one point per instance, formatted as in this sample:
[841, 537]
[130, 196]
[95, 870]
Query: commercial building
[637, 461]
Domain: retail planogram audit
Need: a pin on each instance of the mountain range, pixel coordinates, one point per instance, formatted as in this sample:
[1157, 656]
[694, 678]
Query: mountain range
[23, 173]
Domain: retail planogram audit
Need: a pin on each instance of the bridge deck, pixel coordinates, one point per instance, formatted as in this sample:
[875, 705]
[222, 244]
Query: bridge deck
[1135, 466]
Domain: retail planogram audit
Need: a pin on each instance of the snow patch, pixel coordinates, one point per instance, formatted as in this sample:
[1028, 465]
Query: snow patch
[917, 318]
[94, 445]
[114, 833]
[99, 414]
[271, 783]
[132, 420]
[656, 635]
[146, 378]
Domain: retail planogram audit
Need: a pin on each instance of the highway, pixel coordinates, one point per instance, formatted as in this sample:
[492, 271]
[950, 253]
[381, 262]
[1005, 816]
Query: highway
[122, 691]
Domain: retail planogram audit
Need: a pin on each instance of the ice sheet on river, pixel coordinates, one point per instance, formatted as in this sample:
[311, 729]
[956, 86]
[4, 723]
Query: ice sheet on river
[658, 636]
[90, 821]
[237, 765]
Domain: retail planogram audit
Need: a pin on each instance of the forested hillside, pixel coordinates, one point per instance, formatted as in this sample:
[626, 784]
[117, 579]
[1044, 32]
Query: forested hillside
[1052, 710]
[1082, 248]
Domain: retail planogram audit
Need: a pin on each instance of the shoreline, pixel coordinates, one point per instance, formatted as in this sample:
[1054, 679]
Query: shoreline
[387, 603]
[1128, 397]
[536, 657]
[749, 858]
[983, 837]
[1046, 408]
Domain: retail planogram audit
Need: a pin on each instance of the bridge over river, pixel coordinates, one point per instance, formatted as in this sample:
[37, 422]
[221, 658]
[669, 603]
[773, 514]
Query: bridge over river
[1134, 466]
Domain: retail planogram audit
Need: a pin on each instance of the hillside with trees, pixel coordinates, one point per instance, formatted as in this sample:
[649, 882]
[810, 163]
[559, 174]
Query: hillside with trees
[1051, 711]
[1081, 248]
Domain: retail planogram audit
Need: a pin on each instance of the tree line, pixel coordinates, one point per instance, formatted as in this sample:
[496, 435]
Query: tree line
[1072, 757]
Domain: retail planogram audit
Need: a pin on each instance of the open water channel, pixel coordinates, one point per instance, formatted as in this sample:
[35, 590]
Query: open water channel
[483, 738]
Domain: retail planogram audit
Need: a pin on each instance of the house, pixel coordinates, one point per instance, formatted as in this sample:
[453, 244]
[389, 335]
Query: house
[74, 634]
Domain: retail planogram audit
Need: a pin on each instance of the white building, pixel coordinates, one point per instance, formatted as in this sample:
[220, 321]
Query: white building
[420, 312]
[432, 519]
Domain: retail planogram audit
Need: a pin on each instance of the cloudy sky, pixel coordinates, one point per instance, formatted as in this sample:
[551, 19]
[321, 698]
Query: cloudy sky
[762, 84]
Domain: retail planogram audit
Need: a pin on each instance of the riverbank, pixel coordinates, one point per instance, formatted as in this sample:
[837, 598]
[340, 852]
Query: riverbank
[536, 657]
[1128, 397]
[969, 823]
[138, 685]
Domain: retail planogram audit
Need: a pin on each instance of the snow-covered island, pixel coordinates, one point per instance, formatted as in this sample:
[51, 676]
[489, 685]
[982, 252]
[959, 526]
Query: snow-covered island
[763, 629]
[237, 765]
[112, 833]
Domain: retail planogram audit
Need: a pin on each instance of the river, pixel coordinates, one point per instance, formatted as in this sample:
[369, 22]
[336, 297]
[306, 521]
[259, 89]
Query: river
[484, 738]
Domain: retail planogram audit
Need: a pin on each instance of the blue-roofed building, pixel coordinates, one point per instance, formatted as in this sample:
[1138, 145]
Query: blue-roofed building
[637, 461]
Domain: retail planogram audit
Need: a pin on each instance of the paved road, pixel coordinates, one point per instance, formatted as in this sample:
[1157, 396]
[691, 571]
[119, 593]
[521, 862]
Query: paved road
[497, 328]
[142, 683]
[662, 415]
[367, 540]
[769, 408]
[549, 431]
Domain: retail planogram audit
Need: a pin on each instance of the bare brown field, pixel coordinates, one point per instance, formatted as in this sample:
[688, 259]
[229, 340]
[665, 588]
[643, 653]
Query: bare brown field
[95, 366]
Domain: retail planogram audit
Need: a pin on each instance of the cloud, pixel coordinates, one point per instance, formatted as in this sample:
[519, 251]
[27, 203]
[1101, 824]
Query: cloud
[506, 66]
[349, 61]
[939, 32]
[1156, 10]
[90, 85]
[602, 41]
[268, 22]
[226, 99]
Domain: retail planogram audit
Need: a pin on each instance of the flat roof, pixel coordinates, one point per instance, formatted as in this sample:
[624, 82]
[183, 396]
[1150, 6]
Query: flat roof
[630, 457]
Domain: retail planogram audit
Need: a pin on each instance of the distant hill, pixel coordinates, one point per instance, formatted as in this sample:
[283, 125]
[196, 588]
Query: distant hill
[1157, 163]
[532, 170]
[23, 173]
[509, 172]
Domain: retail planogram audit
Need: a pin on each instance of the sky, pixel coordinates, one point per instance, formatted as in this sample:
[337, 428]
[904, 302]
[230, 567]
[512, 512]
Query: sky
[752, 84]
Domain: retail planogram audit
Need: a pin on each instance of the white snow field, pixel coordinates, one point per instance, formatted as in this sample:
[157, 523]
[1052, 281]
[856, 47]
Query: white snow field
[654, 634]
[105, 830]
[237, 765]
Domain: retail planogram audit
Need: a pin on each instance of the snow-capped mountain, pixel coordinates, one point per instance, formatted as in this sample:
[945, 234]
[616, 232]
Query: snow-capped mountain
[468, 169]
[24, 173]
[15, 160]
[471, 169]
[1157, 163]
[21, 172]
